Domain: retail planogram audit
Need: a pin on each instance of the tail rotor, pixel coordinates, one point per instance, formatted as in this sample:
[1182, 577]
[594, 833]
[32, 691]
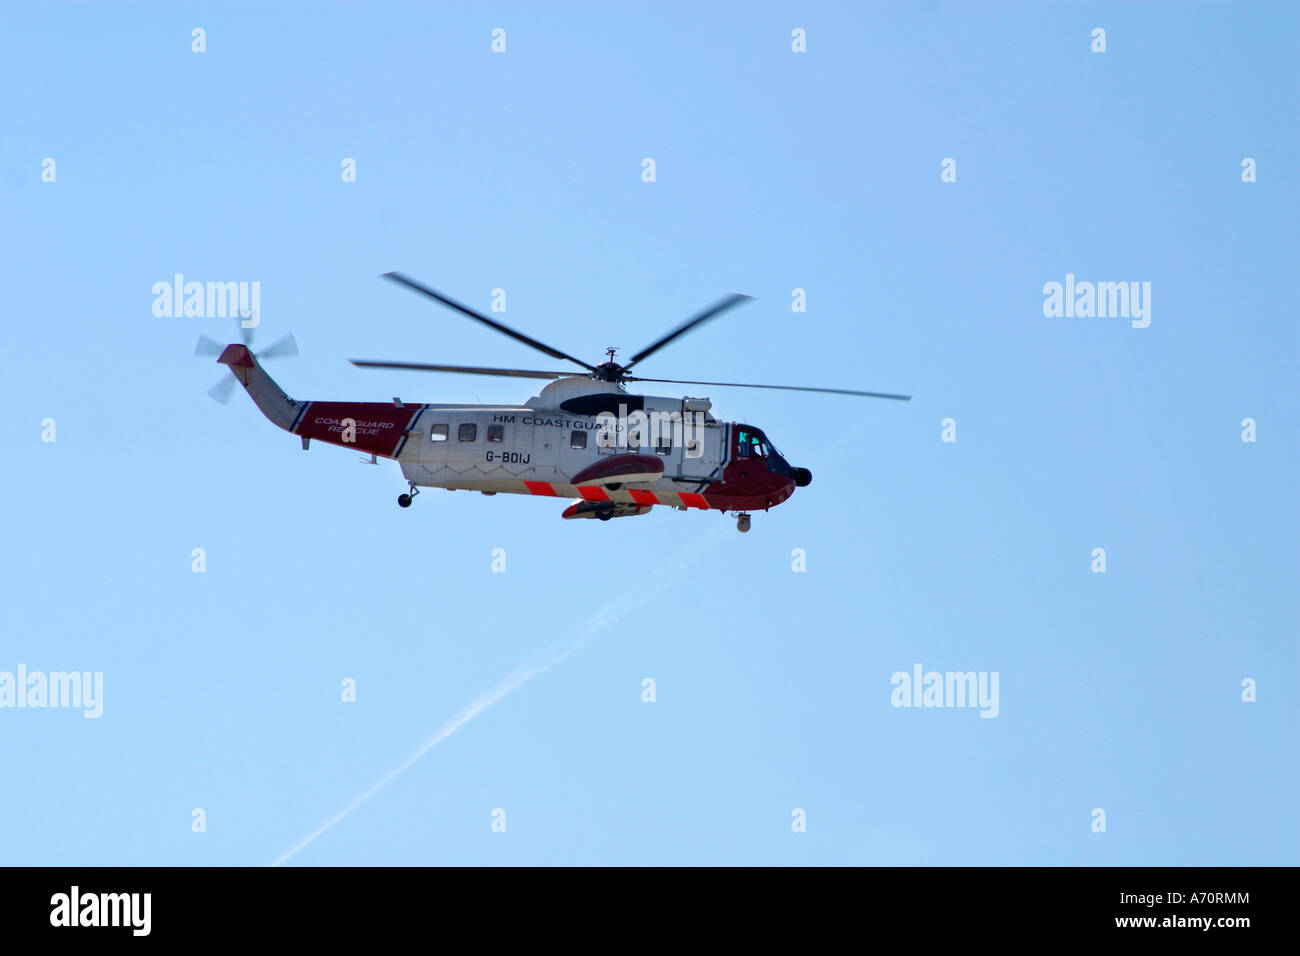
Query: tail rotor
[284, 347]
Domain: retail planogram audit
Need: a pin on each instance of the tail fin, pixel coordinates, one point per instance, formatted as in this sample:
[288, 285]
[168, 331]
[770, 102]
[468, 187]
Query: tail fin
[270, 398]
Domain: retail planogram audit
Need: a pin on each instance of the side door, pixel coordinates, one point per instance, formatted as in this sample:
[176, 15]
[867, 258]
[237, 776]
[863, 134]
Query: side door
[466, 441]
[704, 458]
[510, 445]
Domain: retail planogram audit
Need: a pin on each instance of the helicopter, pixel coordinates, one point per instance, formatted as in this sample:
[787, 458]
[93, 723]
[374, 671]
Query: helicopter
[583, 437]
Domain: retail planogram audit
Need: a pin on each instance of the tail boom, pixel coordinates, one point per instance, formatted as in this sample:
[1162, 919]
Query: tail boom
[377, 428]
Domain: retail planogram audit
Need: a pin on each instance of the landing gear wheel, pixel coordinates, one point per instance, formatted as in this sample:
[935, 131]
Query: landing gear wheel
[742, 523]
[404, 501]
[604, 515]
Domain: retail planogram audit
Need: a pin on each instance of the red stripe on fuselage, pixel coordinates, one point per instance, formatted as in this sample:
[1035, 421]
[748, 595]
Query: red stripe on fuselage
[643, 497]
[373, 427]
[692, 500]
[593, 493]
[540, 488]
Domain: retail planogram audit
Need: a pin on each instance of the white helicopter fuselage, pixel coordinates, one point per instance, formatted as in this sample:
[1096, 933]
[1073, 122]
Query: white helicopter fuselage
[538, 448]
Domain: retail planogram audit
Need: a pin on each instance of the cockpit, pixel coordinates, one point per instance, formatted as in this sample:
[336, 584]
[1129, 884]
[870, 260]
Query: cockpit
[753, 445]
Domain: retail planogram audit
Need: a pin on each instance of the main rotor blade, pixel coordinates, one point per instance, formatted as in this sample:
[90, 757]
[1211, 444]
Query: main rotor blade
[466, 369]
[784, 388]
[491, 323]
[712, 312]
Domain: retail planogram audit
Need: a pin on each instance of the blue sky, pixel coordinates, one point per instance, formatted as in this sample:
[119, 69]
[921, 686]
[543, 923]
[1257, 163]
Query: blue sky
[775, 170]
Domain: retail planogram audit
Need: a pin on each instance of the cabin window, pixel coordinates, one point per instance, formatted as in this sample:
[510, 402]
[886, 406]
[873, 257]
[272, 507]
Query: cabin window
[578, 439]
[468, 432]
[438, 433]
[496, 433]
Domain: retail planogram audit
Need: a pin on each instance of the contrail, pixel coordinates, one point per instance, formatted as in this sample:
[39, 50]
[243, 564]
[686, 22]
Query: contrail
[521, 675]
